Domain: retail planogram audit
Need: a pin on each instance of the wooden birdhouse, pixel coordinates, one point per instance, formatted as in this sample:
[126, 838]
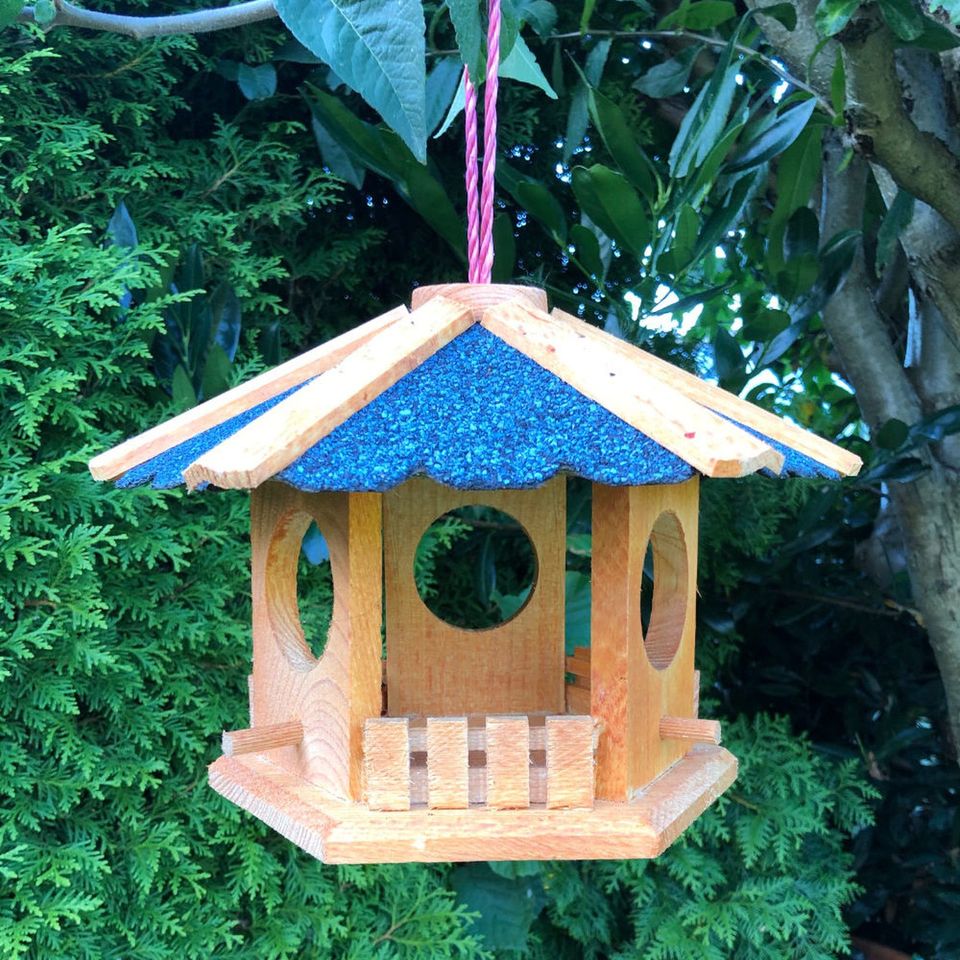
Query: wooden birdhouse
[411, 739]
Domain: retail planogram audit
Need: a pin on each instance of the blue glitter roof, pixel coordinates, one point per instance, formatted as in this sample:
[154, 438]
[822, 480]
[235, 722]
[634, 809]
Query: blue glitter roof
[477, 415]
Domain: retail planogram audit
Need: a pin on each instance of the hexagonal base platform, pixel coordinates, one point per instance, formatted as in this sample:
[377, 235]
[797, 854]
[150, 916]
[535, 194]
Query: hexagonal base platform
[339, 832]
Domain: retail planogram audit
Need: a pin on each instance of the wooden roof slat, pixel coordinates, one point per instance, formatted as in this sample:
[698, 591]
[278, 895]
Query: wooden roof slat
[273, 441]
[712, 445]
[131, 453]
[722, 401]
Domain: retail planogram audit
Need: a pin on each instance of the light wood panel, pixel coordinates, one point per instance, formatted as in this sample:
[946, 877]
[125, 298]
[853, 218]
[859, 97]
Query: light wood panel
[434, 669]
[569, 761]
[479, 296]
[628, 693]
[714, 446]
[690, 729]
[131, 453]
[258, 739]
[447, 762]
[508, 762]
[341, 832]
[721, 401]
[331, 696]
[386, 763]
[273, 441]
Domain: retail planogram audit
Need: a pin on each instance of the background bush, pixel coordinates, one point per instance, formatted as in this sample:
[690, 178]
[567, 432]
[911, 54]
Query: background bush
[125, 615]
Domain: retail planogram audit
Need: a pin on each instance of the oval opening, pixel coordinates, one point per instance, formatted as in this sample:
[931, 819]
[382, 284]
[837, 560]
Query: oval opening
[663, 596]
[475, 567]
[314, 589]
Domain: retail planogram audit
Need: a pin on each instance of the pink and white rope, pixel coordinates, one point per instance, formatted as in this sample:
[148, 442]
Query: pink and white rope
[480, 210]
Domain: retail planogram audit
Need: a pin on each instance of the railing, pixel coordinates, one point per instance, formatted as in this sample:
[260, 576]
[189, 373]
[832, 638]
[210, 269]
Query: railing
[500, 762]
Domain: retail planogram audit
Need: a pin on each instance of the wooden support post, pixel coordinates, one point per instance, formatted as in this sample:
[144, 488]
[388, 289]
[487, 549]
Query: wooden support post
[258, 739]
[690, 728]
[447, 761]
[508, 762]
[386, 762]
[569, 761]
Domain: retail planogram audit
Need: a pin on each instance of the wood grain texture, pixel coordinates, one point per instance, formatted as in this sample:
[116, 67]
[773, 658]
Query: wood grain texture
[271, 442]
[708, 442]
[721, 401]
[569, 762]
[258, 739]
[434, 669]
[479, 296]
[331, 696]
[341, 832]
[691, 729]
[386, 763]
[628, 693]
[508, 762]
[131, 453]
[447, 762]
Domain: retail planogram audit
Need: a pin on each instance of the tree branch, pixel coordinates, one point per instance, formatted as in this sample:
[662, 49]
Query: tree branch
[140, 28]
[881, 127]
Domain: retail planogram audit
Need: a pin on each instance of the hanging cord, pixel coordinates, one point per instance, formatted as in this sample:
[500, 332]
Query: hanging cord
[480, 208]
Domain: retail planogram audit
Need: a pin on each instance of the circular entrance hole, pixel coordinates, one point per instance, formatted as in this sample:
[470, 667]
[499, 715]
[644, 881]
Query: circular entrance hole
[663, 596]
[475, 567]
[314, 589]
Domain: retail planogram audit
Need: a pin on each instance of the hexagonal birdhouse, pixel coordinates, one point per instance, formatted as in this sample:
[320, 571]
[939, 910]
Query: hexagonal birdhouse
[411, 738]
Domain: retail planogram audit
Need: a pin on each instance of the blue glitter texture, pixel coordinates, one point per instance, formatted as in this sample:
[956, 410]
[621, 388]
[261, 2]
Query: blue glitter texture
[477, 415]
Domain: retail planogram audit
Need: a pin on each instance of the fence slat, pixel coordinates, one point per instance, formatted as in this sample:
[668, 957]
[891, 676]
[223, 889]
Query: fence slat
[386, 763]
[447, 761]
[570, 761]
[508, 762]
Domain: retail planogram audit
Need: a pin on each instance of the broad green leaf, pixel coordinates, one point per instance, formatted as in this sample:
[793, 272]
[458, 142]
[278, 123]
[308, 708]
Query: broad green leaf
[377, 48]
[44, 12]
[504, 908]
[540, 14]
[689, 302]
[798, 170]
[833, 15]
[184, 396]
[335, 157]
[585, 14]
[669, 77]
[937, 425]
[514, 869]
[587, 249]
[9, 11]
[441, 89]
[704, 124]
[903, 18]
[519, 65]
[935, 37]
[785, 13]
[538, 200]
[216, 373]
[577, 611]
[726, 216]
[730, 362]
[121, 229]
[766, 325]
[468, 29]
[620, 141]
[798, 275]
[775, 139]
[892, 435]
[579, 101]
[611, 203]
[803, 234]
[897, 219]
[701, 15]
[293, 51]
[257, 83]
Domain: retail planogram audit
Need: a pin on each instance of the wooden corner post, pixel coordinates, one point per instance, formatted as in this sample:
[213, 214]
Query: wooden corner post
[331, 695]
[639, 675]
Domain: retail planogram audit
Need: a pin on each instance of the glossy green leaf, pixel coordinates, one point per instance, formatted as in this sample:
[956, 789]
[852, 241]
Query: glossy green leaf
[216, 373]
[44, 12]
[442, 85]
[935, 37]
[705, 122]
[504, 909]
[622, 144]
[504, 248]
[775, 139]
[798, 171]
[184, 396]
[611, 203]
[669, 77]
[540, 14]
[700, 15]
[938, 425]
[897, 219]
[468, 29]
[785, 13]
[257, 83]
[586, 13]
[538, 200]
[833, 15]
[9, 11]
[803, 234]
[576, 610]
[903, 18]
[376, 47]
[798, 275]
[892, 435]
[580, 100]
[766, 325]
[335, 157]
[587, 249]
[729, 360]
[689, 302]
